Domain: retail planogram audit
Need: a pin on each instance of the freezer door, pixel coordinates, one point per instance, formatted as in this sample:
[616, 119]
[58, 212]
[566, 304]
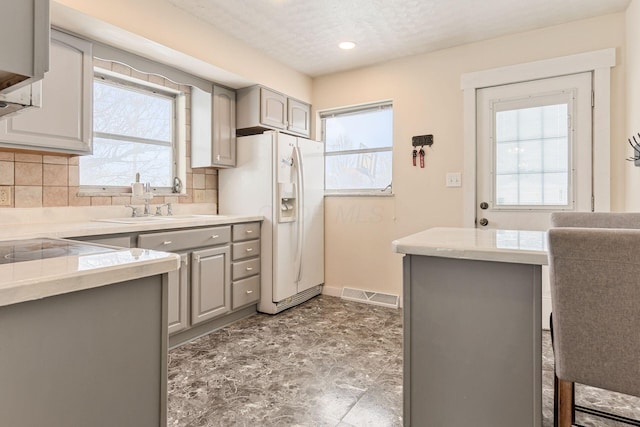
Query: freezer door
[285, 228]
[313, 221]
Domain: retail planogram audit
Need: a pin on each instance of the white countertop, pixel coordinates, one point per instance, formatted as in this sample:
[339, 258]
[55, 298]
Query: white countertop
[31, 280]
[514, 246]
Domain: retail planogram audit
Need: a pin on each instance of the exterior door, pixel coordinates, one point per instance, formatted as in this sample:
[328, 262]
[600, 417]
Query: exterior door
[534, 148]
[534, 156]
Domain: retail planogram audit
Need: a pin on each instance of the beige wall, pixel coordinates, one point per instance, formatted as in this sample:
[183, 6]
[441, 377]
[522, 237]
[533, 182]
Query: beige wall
[632, 188]
[427, 99]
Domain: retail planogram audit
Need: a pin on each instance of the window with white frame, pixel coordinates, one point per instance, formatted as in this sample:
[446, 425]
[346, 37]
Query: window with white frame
[358, 149]
[134, 131]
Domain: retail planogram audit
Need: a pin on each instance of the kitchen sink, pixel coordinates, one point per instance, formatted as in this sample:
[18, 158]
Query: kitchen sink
[135, 220]
[144, 219]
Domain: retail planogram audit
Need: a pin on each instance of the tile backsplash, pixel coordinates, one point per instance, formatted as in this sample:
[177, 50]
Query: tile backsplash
[49, 180]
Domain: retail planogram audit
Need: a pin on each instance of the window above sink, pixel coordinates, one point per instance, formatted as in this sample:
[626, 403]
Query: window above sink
[137, 129]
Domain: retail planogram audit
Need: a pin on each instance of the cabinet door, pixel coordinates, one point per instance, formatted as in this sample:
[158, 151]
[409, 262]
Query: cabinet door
[224, 127]
[299, 115]
[178, 304]
[210, 283]
[64, 122]
[273, 109]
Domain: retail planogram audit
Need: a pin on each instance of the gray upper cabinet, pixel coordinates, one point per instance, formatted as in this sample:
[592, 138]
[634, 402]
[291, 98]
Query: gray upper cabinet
[24, 31]
[213, 128]
[260, 109]
[299, 117]
[273, 109]
[64, 122]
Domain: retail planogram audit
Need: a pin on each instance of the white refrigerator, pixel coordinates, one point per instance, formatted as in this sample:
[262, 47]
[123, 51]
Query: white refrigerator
[281, 177]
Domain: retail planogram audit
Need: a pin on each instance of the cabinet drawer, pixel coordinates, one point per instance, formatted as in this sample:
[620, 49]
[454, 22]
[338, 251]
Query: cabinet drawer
[246, 231]
[245, 268]
[246, 249]
[184, 239]
[245, 291]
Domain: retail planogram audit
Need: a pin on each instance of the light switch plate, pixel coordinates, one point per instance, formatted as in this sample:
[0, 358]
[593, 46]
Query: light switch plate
[454, 179]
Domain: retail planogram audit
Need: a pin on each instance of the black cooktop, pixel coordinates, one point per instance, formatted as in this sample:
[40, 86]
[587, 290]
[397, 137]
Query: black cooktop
[12, 251]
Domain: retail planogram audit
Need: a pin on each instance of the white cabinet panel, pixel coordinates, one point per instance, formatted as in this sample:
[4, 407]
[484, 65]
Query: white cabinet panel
[64, 122]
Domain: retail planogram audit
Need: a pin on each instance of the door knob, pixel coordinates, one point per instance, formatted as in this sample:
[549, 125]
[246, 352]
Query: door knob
[484, 205]
[484, 222]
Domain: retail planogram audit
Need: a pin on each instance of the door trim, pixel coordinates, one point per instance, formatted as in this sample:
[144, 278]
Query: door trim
[598, 62]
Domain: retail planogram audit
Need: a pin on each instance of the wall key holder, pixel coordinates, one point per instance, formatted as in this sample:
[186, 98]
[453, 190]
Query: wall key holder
[420, 141]
[636, 151]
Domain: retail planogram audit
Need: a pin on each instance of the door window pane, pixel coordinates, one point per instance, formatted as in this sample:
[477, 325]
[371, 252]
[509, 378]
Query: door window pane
[532, 156]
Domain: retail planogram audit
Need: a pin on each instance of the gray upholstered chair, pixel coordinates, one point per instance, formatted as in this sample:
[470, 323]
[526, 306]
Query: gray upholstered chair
[594, 261]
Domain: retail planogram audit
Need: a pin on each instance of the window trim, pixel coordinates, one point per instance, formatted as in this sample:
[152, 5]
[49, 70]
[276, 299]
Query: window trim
[352, 110]
[178, 142]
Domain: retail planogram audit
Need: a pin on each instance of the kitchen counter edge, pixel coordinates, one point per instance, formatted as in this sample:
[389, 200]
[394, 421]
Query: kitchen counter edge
[68, 230]
[476, 244]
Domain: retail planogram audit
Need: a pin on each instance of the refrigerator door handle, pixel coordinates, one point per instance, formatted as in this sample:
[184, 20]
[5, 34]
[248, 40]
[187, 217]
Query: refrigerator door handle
[300, 211]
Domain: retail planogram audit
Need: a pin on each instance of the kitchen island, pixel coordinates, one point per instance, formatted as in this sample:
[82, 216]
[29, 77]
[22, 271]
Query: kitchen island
[472, 327]
[83, 340]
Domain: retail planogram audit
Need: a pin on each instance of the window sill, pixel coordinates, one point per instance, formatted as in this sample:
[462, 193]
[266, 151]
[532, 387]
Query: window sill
[358, 194]
[82, 193]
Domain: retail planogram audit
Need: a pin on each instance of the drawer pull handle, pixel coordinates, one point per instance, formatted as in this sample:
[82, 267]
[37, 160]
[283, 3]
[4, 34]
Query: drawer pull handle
[215, 236]
[249, 268]
[249, 292]
[249, 249]
[167, 242]
[249, 231]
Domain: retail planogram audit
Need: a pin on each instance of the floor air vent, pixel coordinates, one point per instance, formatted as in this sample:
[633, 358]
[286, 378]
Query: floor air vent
[370, 297]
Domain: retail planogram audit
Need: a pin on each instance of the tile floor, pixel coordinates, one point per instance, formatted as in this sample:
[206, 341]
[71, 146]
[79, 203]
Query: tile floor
[327, 362]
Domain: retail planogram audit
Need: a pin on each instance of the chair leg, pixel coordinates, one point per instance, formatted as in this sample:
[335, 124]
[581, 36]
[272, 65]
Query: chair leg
[565, 408]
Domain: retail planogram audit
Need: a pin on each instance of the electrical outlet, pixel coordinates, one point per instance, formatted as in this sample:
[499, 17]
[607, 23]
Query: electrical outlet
[5, 196]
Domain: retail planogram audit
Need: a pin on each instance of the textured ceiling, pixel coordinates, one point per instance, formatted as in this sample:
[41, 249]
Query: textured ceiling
[304, 34]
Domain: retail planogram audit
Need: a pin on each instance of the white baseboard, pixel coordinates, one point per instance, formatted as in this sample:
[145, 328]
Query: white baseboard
[331, 291]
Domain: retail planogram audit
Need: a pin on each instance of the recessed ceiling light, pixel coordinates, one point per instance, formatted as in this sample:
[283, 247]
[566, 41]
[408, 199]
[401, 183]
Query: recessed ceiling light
[347, 45]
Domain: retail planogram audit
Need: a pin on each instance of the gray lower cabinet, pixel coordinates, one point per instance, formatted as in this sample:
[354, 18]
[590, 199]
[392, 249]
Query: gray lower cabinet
[218, 279]
[245, 288]
[472, 343]
[219, 275]
[210, 283]
[95, 357]
[178, 283]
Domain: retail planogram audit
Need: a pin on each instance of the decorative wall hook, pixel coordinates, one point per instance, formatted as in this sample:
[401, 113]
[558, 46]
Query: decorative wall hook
[636, 150]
